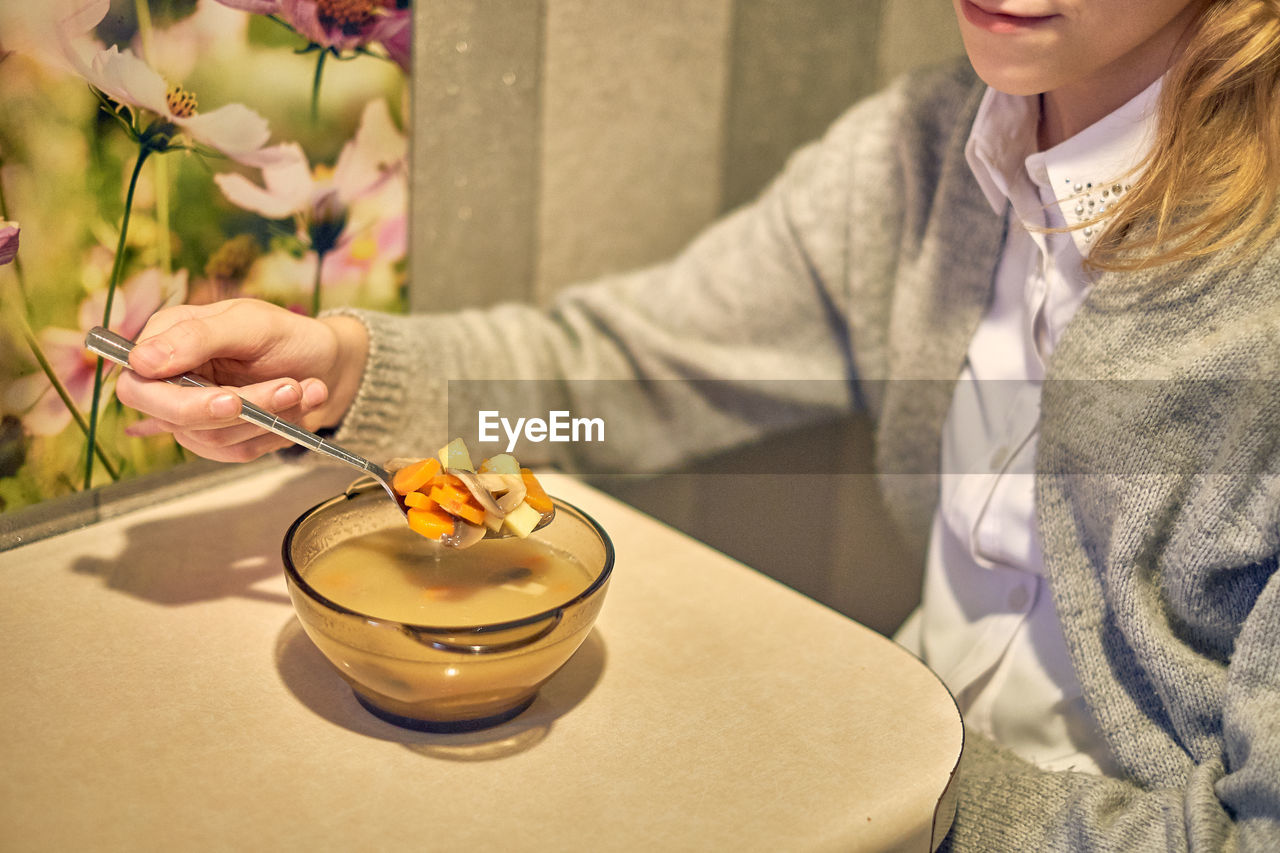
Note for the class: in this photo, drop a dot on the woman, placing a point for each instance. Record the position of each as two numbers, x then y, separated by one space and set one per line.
1087 238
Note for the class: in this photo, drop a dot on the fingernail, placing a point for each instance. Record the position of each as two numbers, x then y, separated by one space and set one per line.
224 406
286 397
152 356
314 393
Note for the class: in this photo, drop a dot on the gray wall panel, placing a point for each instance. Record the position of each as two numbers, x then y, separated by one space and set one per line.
633 100
796 65
475 151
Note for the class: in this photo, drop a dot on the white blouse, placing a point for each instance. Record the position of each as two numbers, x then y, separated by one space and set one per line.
986 623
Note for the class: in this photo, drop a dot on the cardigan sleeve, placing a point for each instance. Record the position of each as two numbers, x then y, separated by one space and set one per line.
743 333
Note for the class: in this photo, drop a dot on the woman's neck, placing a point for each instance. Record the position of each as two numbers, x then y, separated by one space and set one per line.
1071 108
1064 113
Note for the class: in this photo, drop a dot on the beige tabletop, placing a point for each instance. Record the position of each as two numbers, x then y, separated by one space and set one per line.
158 694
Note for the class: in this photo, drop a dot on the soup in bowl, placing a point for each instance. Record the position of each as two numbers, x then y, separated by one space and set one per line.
436 638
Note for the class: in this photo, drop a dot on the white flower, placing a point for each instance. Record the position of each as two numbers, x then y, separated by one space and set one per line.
233 129
211 34
48 29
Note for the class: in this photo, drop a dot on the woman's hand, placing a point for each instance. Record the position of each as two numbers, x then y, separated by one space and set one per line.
302 369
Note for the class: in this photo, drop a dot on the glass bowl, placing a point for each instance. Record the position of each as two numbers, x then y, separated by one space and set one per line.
442 678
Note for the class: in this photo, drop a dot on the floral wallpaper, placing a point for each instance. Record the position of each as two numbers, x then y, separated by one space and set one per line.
181 151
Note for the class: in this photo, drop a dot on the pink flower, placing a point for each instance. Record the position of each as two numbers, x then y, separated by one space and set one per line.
8 241
136 301
399 43
339 24
364 255
365 269
321 199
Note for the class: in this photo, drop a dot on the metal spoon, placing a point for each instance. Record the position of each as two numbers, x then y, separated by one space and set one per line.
116 348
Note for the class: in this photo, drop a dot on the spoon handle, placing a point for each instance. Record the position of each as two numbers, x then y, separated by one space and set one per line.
116 348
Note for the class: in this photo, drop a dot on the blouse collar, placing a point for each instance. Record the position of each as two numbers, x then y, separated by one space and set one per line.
1083 175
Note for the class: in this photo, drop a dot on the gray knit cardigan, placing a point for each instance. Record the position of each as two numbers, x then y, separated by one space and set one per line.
859 276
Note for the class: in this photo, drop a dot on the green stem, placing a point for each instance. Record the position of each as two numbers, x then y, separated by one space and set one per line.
19 278
315 286
315 85
116 269
142 11
164 238
65 396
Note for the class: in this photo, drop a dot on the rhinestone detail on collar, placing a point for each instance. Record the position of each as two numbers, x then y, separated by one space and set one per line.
1092 202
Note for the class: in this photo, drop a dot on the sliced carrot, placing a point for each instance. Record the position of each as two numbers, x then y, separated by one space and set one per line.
535 495
464 510
419 500
444 493
442 479
415 475
431 523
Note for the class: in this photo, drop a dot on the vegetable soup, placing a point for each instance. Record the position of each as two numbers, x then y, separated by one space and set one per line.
396 574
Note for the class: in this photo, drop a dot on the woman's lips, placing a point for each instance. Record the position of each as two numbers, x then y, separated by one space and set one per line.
1001 22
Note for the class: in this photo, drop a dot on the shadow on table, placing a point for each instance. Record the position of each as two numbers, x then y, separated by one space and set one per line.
222 552
311 678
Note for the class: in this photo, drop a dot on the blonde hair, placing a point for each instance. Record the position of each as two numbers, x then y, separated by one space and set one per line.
1213 177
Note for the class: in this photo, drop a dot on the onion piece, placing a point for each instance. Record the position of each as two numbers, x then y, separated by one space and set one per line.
481 494
493 482
516 492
